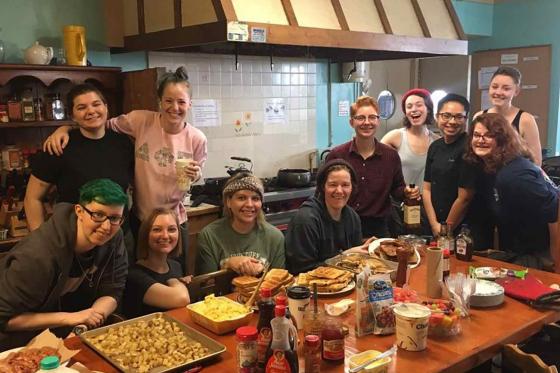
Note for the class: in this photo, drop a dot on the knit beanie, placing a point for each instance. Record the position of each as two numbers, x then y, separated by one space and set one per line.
424 93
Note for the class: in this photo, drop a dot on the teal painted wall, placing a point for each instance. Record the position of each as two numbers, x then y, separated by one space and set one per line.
521 23
476 18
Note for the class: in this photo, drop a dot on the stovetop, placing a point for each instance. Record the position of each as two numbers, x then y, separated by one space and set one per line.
271 185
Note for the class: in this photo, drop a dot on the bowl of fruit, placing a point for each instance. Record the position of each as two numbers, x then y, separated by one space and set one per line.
404 295
445 319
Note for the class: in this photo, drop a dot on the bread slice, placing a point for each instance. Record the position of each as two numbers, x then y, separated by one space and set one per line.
245 281
327 272
277 274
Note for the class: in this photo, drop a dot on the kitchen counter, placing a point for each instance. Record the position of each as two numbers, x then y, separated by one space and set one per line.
203 208
288 193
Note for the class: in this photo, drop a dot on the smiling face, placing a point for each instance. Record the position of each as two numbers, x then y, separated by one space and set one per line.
365 122
502 90
416 110
483 143
175 104
90 112
164 234
97 233
338 189
447 120
244 206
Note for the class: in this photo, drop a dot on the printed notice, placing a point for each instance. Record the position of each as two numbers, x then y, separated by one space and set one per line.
509 59
275 111
529 86
237 31
530 58
343 108
258 34
205 113
485 75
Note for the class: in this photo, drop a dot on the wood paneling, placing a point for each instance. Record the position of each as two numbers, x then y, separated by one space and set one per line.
421 19
141 18
289 10
159 15
177 13
197 12
340 14
383 17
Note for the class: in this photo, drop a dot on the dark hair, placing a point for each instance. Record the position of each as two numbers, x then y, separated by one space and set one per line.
82 89
425 94
512 72
179 76
453 97
103 191
332 166
361 102
509 144
143 247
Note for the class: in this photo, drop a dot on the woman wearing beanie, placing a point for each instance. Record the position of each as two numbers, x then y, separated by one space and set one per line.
325 226
413 140
242 240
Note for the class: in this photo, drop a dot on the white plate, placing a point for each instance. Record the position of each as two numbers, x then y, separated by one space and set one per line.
373 251
487 294
4 354
490 273
347 289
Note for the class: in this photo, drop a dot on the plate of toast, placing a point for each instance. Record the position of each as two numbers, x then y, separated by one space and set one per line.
388 249
329 280
276 279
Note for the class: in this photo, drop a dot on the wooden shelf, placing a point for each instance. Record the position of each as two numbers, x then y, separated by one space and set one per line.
9 242
46 123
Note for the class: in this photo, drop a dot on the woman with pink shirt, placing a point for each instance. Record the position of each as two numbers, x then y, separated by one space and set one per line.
160 138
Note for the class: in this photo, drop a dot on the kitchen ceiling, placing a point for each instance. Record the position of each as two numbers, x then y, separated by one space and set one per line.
341 30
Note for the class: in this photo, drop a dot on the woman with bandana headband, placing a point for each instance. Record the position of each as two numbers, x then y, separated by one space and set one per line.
242 240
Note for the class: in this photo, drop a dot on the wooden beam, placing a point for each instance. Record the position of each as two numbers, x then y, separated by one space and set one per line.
178 11
455 19
383 17
421 19
290 14
340 15
224 10
141 18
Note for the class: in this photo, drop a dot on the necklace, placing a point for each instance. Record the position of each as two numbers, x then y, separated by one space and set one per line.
88 276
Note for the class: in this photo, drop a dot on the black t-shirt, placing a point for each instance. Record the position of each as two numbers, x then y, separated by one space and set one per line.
139 281
447 171
84 160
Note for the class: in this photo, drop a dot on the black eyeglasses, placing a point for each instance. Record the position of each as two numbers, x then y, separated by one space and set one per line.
447 117
485 137
100 217
362 118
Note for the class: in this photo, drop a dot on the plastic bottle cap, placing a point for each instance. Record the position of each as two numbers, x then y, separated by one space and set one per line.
50 362
446 252
280 311
266 293
281 300
246 333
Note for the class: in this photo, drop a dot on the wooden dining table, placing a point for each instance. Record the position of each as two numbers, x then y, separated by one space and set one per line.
483 335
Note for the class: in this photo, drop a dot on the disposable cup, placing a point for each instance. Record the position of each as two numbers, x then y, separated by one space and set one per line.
412 326
298 300
183 181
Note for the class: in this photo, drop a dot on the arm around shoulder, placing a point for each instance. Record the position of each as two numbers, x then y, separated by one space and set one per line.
33 202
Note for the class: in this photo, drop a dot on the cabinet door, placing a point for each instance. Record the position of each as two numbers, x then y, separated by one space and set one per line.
140 89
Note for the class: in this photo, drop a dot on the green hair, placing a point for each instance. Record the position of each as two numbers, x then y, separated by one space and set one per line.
103 191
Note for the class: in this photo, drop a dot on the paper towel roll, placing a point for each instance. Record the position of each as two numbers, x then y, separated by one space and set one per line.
434 276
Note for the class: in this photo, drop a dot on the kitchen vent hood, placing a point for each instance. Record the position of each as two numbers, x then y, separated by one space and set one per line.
342 30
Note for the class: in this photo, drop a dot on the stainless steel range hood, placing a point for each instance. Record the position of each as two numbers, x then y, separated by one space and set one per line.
342 30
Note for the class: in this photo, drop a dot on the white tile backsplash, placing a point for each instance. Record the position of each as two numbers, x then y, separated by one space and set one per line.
270 146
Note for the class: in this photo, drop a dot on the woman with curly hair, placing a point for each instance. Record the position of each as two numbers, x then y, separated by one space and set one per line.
523 202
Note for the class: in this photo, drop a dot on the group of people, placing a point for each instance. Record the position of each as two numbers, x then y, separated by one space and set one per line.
78 266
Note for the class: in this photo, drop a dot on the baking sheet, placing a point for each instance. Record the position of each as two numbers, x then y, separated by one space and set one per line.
214 348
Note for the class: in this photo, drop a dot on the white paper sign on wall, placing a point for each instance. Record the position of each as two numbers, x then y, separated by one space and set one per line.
509 59
343 108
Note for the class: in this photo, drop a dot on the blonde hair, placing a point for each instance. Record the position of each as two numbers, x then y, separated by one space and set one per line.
228 193
143 246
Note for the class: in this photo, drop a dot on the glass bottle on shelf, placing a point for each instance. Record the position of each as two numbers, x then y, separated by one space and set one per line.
14 109
58 108
27 110
38 108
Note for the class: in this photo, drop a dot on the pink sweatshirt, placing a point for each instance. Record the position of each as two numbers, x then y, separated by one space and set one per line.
155 154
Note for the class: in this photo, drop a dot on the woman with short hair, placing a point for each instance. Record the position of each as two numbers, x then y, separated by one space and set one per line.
242 240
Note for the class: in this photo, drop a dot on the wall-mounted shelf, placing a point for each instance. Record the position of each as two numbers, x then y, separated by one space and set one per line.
35 124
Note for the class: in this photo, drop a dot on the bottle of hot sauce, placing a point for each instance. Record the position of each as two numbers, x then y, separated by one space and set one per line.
266 314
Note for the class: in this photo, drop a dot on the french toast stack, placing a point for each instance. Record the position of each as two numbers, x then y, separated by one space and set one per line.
328 279
275 280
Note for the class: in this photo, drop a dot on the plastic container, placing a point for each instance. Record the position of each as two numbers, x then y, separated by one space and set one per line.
246 349
379 366
220 327
51 364
445 319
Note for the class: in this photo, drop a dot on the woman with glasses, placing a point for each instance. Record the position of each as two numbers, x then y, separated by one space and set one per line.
449 182
92 153
325 225
504 86
156 283
412 143
524 203
160 139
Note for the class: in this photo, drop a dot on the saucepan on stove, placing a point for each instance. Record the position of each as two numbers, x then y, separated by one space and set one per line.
294 177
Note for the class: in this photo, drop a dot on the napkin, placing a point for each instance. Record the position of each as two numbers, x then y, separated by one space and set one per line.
531 290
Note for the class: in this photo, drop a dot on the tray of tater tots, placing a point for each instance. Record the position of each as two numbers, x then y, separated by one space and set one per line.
153 343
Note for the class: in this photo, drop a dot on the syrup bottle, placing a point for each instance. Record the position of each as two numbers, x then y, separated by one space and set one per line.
464 244
266 314
280 357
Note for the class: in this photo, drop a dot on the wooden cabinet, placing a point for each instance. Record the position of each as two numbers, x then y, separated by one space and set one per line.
199 217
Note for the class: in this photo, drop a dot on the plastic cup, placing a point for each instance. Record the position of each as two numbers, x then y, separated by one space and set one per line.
412 326
183 181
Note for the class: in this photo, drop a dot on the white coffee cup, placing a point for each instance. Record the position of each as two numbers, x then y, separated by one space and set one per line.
183 181
412 326
298 300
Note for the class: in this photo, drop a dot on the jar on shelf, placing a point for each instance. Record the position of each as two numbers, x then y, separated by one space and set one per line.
38 109
27 110
58 108
14 109
4 118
